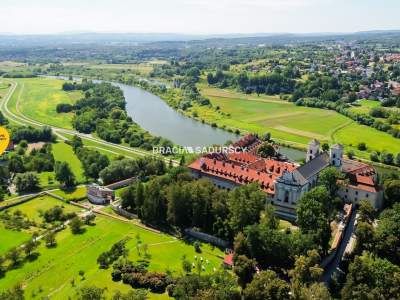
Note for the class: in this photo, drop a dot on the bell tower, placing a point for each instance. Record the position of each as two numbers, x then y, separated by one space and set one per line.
336 155
312 150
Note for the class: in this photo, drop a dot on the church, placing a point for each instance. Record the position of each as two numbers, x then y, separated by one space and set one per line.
285 182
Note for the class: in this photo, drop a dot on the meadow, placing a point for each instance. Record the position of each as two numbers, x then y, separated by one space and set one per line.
290 123
4 86
63 152
37 98
11 238
74 253
34 207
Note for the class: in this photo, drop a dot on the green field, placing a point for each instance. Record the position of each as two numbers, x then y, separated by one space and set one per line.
290 123
11 238
55 268
4 86
33 207
365 106
63 152
72 194
37 98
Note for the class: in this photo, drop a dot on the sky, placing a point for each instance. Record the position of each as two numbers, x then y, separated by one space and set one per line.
197 16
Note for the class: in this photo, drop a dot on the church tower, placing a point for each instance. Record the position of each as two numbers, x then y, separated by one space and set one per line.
336 155
313 150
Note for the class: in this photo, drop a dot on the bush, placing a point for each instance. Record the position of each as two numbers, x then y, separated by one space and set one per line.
26 182
197 247
362 146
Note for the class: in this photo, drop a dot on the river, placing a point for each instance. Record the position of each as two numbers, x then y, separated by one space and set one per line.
154 115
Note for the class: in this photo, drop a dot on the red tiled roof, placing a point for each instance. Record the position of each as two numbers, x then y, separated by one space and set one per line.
367 180
262 171
228 260
363 187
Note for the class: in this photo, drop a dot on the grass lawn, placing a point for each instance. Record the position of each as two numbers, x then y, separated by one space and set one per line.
72 194
4 86
11 238
73 253
284 120
37 99
33 207
365 106
63 152
291 123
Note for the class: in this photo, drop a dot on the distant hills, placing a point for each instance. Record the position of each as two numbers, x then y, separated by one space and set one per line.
12 40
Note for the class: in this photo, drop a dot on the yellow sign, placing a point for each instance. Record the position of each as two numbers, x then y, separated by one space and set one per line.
4 139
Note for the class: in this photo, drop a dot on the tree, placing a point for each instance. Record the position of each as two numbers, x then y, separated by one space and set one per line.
329 179
186 265
76 143
387 234
16 164
245 205
91 293
266 150
30 246
16 293
371 277
14 255
64 174
137 294
266 285
366 212
316 291
26 182
365 237
305 272
88 219
269 218
76 225
387 158
306 268
244 268
50 239
312 215
325 147
392 192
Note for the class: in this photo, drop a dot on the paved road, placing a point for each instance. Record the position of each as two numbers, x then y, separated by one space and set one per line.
24 120
333 267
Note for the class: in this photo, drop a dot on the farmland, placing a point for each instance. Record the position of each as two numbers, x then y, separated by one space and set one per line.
74 253
288 122
37 98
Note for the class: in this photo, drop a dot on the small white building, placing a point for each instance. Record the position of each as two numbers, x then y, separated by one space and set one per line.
99 194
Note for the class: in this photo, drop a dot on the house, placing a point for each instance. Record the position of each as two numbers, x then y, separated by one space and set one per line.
284 182
228 260
99 194
394 87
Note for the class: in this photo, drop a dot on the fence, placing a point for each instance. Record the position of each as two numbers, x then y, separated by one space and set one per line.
23 200
119 210
207 238
121 183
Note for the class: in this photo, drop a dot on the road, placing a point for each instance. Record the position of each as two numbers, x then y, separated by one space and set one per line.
333 267
24 120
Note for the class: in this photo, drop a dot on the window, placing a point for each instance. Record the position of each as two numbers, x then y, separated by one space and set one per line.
286 196
366 195
347 190
356 192
310 151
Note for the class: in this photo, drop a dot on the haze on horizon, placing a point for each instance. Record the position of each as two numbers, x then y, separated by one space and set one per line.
198 16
